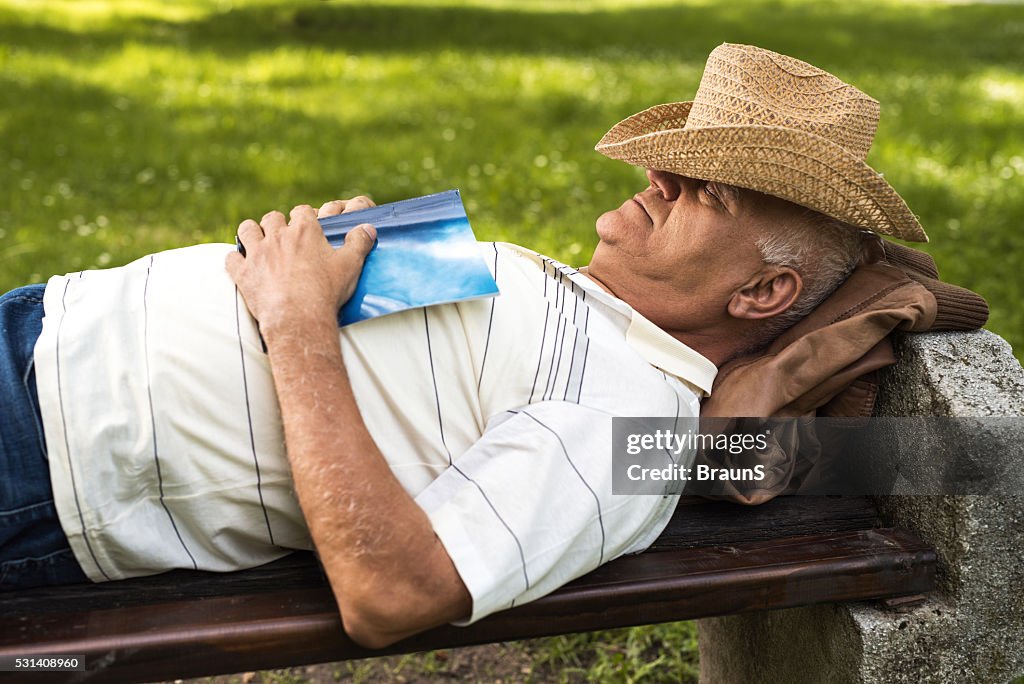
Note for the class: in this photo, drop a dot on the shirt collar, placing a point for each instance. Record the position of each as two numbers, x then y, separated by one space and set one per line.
669 354
656 346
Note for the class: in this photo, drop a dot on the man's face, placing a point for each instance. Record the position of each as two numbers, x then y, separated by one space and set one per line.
680 249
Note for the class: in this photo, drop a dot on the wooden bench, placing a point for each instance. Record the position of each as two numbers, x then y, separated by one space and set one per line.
713 559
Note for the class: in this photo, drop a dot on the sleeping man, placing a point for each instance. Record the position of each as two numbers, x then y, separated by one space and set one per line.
444 462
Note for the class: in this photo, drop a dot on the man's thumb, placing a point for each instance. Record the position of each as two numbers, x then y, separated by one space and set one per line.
361 238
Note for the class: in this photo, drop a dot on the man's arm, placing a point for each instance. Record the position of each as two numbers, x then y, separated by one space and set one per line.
388 571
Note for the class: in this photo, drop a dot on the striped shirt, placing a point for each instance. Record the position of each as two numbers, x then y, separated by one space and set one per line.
166 447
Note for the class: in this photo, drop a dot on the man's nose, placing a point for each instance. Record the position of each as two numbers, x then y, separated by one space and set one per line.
667 184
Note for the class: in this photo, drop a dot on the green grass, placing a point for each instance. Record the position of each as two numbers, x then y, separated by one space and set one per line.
655 653
659 654
135 126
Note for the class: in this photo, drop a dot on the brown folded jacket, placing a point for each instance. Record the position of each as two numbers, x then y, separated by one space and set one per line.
826 365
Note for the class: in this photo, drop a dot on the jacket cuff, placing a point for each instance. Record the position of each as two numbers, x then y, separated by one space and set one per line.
957 308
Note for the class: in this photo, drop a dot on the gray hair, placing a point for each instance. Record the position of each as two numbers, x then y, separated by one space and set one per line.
823 250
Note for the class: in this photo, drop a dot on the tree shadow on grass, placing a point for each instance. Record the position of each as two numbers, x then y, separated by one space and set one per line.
947 38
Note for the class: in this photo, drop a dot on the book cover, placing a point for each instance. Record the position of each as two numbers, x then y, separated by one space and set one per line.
425 254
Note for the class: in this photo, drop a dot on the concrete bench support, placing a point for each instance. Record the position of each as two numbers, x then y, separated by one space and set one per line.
972 628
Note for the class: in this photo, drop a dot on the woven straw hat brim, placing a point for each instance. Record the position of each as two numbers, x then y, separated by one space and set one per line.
794 165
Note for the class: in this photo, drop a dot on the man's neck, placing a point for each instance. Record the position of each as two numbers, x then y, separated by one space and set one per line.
585 270
717 346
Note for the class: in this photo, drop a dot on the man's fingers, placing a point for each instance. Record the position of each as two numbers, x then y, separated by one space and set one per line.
332 208
249 233
303 212
335 207
272 222
233 264
249 230
357 203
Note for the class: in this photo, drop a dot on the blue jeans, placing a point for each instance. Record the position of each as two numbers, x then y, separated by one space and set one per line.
33 548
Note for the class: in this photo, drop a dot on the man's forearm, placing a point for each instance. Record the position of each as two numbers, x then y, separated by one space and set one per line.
388 570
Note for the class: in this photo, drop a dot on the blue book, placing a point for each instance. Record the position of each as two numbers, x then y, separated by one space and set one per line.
425 254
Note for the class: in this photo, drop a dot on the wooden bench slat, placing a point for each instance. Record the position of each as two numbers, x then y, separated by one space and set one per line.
258 630
696 523
699 522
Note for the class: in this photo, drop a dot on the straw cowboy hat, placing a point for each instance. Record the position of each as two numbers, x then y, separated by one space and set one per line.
774 124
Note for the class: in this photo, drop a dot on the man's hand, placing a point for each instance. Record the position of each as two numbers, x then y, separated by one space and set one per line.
390 574
290 274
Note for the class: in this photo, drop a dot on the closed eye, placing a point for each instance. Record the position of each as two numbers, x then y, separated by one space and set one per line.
727 197
710 191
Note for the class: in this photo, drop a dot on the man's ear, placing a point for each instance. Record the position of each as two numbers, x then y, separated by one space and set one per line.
767 294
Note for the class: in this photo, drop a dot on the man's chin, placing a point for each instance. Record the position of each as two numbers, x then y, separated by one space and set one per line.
621 226
606 225
600 252
613 247
604 261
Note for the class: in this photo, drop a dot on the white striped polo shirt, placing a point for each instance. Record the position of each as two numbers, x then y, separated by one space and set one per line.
166 448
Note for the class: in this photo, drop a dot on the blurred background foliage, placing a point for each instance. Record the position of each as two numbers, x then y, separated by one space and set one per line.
134 126
140 125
